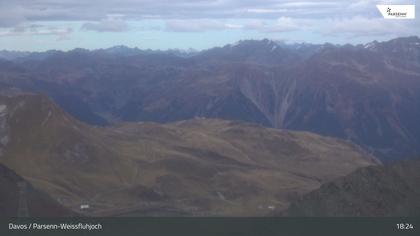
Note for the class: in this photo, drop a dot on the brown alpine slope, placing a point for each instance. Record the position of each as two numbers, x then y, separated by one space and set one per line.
372 191
196 167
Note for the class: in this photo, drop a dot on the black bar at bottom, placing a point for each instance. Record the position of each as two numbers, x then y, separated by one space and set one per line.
341 226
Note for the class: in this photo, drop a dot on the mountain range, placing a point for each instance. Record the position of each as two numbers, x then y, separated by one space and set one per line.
254 128
368 94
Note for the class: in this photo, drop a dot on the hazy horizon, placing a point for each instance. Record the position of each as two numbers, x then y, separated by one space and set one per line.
204 49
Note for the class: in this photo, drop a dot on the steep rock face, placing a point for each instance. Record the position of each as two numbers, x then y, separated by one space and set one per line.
369 95
372 191
262 52
356 94
194 167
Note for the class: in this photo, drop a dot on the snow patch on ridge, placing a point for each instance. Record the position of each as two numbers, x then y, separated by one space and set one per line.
274 48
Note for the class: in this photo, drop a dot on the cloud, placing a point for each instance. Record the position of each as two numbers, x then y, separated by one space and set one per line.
109 25
284 24
62 33
362 26
10 14
96 10
265 10
199 25
268 16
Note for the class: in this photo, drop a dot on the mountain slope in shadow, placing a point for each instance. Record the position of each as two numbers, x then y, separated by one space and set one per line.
18 198
391 190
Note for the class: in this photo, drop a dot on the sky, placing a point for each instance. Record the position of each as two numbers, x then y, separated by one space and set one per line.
40 25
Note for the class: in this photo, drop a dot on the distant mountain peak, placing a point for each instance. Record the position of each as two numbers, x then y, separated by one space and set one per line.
121 50
254 42
408 39
371 45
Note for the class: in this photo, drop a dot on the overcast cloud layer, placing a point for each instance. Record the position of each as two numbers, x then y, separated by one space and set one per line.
67 18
